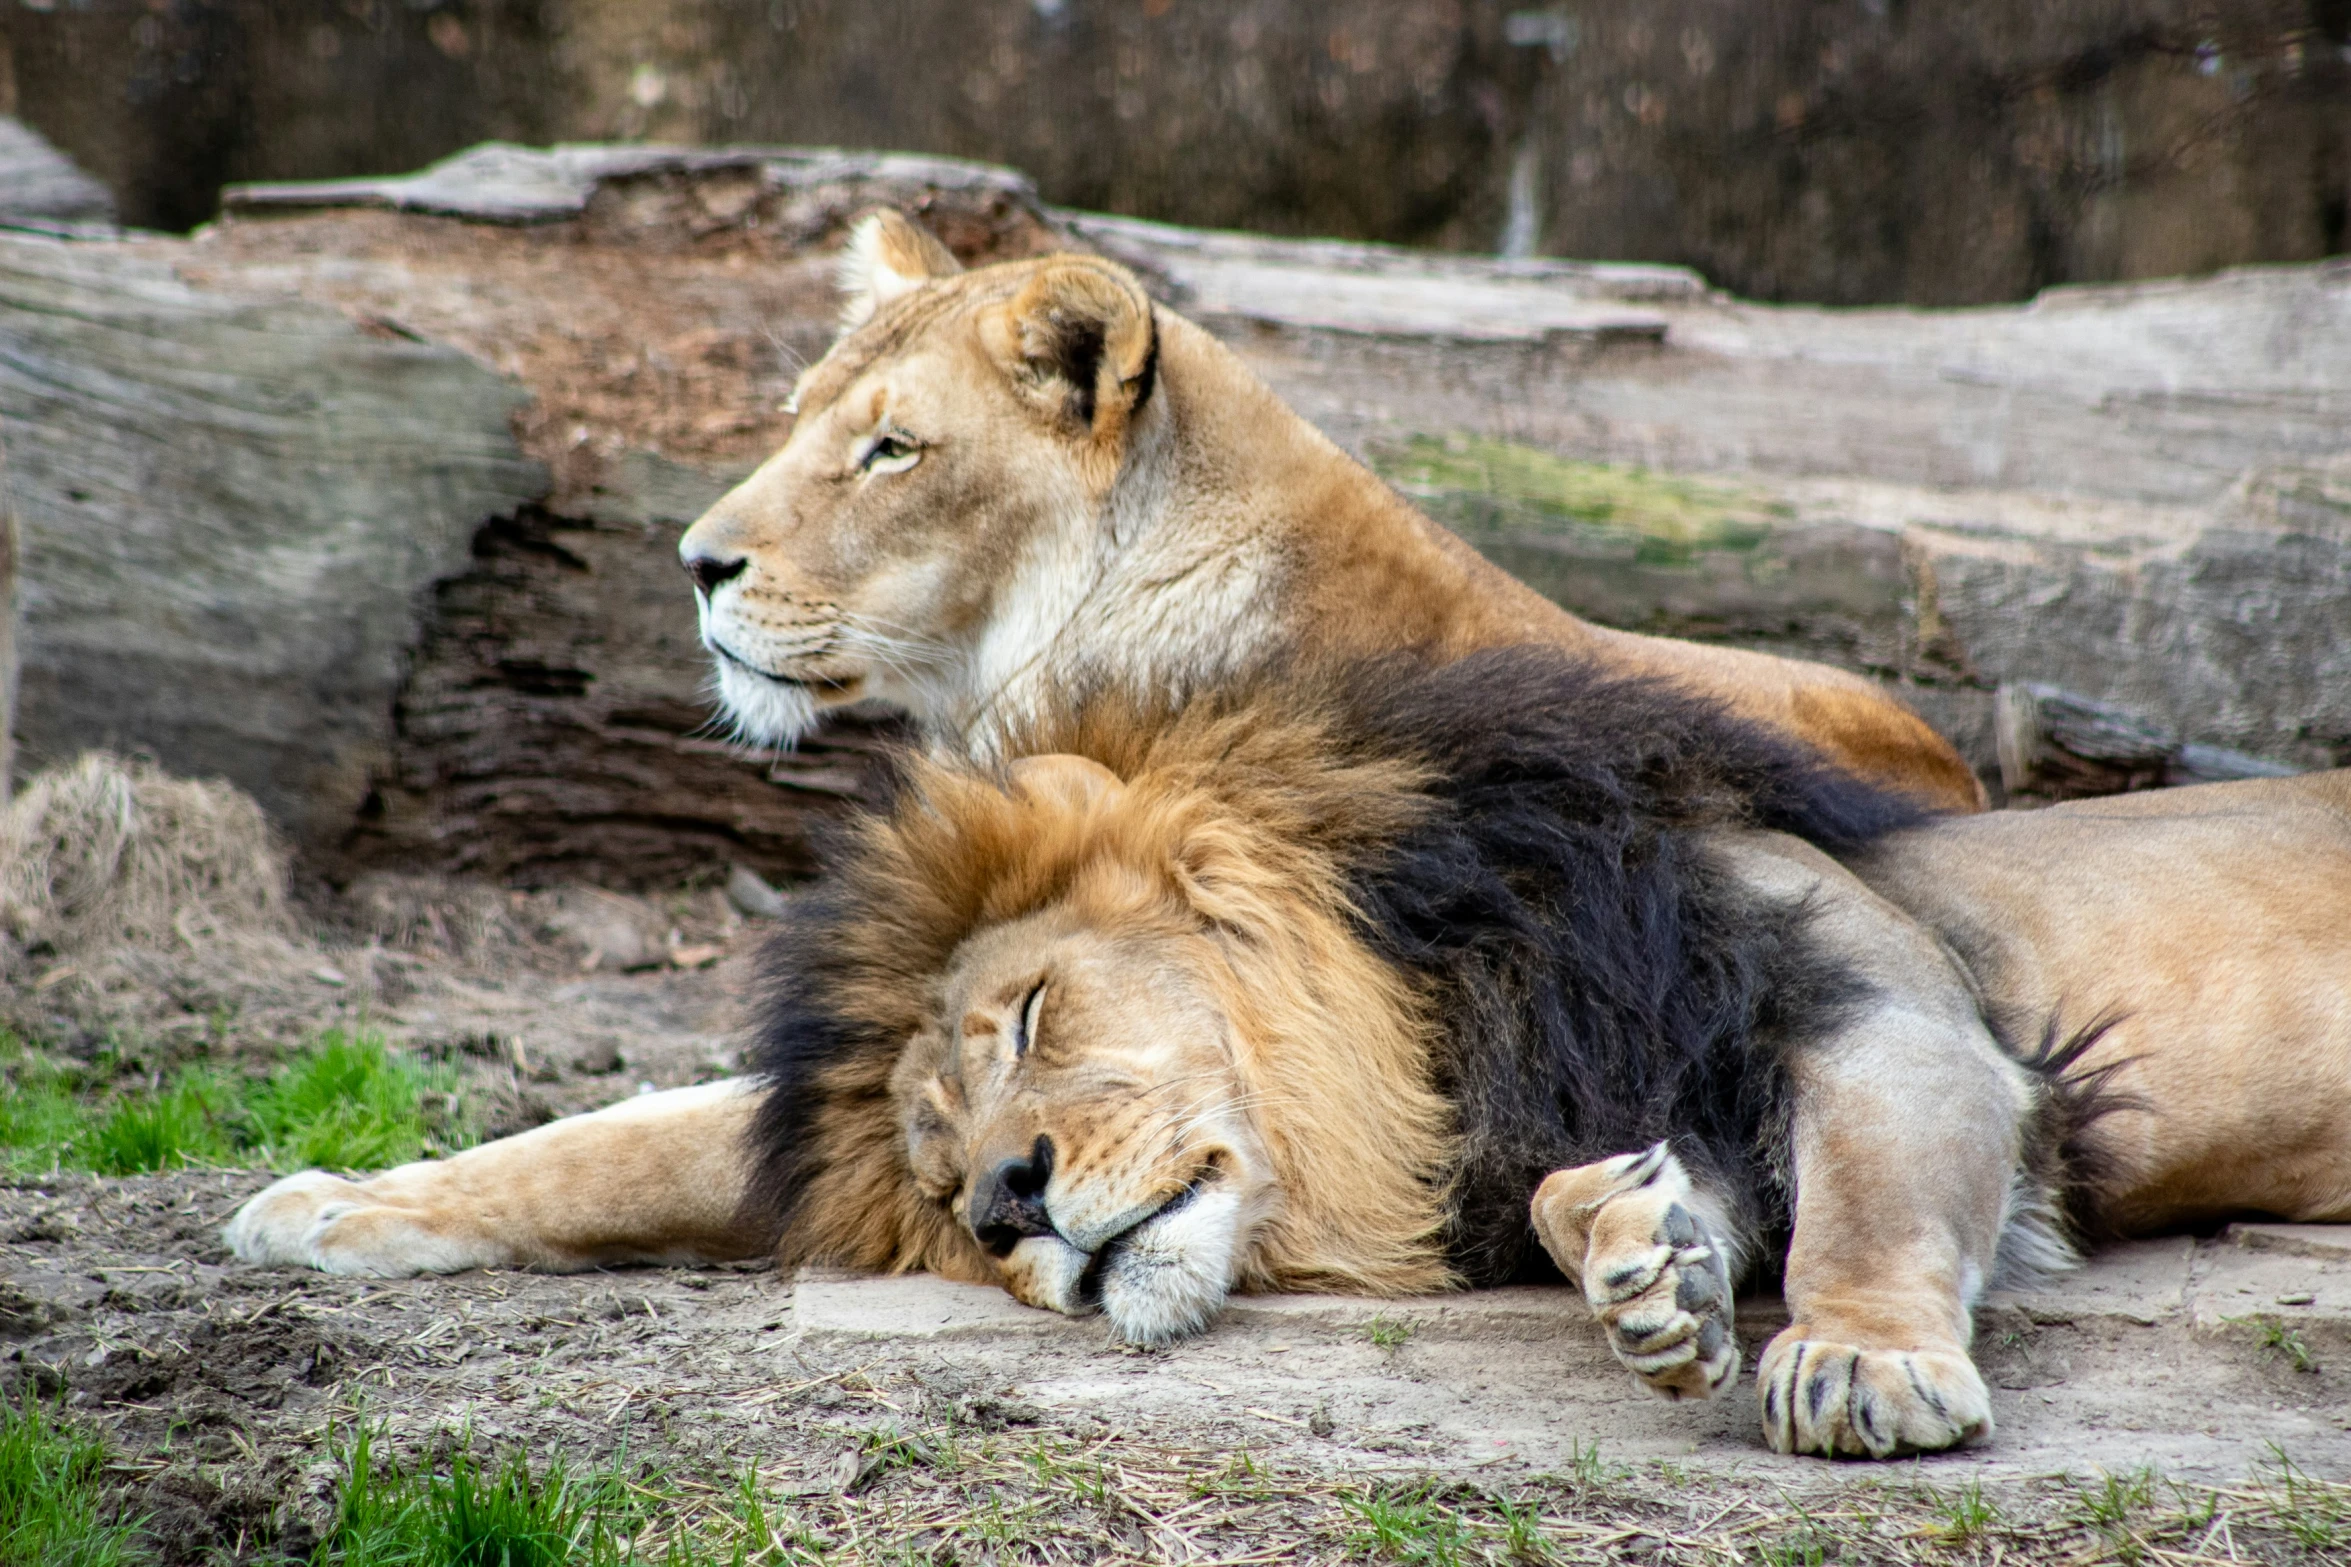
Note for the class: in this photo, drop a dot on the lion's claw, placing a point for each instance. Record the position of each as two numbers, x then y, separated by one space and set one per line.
1836 1400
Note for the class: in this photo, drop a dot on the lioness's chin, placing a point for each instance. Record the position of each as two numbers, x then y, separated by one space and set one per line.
765 712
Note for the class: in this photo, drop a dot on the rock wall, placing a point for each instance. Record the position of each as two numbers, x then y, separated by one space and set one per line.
1850 151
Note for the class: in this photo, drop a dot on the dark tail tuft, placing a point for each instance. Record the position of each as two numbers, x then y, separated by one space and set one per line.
2061 1153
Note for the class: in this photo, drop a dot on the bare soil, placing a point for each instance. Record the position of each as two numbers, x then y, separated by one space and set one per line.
888 1411
887 1415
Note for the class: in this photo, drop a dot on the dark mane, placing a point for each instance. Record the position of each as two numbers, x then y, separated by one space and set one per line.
1600 983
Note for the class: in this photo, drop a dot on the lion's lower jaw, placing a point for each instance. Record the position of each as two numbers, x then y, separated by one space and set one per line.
1161 1281
763 711
1168 1279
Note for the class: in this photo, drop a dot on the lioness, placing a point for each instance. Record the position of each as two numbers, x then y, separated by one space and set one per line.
1005 480
1374 980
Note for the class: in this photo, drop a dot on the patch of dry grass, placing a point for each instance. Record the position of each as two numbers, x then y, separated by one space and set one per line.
941 1494
105 853
128 895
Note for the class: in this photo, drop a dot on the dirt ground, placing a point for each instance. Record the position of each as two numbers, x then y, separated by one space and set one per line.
2191 1368
226 1387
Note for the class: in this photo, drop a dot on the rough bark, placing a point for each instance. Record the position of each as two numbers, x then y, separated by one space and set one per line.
2057 746
39 182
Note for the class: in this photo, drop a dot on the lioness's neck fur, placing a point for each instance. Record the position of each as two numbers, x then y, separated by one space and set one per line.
1115 495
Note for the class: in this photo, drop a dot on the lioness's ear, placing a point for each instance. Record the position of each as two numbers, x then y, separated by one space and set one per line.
888 254
1077 782
1080 343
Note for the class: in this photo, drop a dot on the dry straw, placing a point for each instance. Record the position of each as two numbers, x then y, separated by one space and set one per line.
106 853
122 886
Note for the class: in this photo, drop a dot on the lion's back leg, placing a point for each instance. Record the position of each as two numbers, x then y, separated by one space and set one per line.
1906 1145
657 1178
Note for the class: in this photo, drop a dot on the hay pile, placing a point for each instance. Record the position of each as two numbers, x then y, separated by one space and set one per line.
135 902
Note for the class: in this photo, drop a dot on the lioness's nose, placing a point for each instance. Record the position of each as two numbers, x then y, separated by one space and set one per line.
708 571
1008 1200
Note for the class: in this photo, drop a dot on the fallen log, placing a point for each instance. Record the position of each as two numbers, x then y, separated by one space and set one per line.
2055 745
2134 495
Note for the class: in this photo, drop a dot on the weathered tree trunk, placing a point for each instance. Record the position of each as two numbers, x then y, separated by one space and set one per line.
375 513
2058 746
231 509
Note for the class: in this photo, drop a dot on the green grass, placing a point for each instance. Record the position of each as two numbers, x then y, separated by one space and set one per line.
1669 519
346 1102
476 1515
1414 1527
948 1496
54 1507
2283 1340
472 1512
1390 1333
1966 1513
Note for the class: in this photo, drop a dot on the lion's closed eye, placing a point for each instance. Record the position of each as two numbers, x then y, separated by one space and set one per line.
1024 1032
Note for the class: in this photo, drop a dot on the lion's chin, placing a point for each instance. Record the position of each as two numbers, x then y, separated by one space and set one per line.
1167 1278
1163 1280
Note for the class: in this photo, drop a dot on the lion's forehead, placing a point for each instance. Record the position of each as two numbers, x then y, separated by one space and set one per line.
898 337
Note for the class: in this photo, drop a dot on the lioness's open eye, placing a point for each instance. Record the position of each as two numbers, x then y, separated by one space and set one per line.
890 453
1026 1029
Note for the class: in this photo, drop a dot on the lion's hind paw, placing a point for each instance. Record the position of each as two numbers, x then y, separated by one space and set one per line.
1841 1401
1628 1231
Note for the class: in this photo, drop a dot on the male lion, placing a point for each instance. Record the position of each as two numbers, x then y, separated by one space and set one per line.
1374 979
1007 480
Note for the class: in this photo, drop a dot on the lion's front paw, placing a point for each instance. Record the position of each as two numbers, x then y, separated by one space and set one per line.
1628 1232
317 1220
1838 1400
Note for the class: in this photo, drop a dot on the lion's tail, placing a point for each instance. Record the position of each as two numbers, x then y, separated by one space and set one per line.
2067 1171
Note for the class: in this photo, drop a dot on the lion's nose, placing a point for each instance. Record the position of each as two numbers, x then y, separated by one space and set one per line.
1008 1201
708 571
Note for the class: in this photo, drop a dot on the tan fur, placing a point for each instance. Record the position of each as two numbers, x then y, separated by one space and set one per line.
2212 928
1179 892
1176 887
1168 520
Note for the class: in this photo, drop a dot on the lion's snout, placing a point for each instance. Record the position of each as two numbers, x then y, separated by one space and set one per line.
1006 1204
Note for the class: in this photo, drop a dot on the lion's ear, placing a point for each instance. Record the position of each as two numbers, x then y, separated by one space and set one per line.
888 255
1080 344
1077 782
